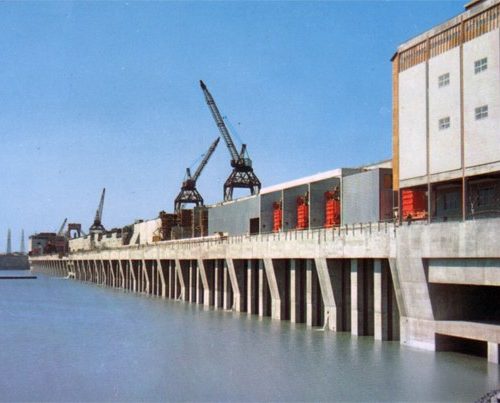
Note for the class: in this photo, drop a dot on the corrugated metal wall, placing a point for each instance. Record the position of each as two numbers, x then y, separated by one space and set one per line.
360 197
233 217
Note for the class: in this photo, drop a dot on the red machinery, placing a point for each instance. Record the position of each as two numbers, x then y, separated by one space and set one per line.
414 204
332 208
277 216
303 212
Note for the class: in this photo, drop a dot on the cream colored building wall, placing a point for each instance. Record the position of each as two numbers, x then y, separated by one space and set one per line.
482 137
146 230
412 122
76 244
444 145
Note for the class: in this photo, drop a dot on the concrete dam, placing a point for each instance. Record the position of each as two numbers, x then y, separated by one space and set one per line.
431 286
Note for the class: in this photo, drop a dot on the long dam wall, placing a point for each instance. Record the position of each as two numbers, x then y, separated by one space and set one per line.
432 286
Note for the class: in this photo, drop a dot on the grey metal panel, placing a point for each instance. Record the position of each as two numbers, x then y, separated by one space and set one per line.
386 195
290 205
317 200
360 197
233 217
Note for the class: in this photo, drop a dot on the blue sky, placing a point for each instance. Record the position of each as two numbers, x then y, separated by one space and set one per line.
106 94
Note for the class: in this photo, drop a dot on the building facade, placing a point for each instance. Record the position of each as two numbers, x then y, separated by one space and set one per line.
446 115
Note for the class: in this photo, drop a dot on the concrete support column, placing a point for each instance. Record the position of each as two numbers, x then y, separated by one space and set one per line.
208 297
252 292
122 274
264 298
147 286
192 282
112 270
199 284
311 294
294 292
325 284
153 276
380 295
104 277
134 277
172 280
218 284
277 305
227 301
237 273
161 272
177 287
361 297
182 280
493 353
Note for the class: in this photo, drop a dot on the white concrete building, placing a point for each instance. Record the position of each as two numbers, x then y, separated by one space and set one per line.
446 137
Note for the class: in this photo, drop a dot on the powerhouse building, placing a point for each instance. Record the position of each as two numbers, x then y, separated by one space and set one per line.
446 118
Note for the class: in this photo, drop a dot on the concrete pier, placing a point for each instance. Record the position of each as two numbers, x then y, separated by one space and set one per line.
390 284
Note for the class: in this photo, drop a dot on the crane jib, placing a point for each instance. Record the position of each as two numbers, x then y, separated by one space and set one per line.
220 123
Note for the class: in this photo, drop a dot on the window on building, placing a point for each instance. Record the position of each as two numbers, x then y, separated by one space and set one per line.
451 201
486 196
480 65
481 112
444 123
444 80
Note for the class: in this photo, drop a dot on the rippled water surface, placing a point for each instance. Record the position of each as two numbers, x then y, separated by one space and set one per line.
64 340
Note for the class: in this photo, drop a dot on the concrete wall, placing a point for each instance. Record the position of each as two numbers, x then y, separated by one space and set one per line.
412 122
233 217
482 137
444 102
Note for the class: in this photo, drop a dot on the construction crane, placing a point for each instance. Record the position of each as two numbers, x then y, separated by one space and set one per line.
242 175
189 193
97 227
61 229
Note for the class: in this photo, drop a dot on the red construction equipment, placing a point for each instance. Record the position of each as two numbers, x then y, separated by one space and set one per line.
332 208
303 212
277 216
414 204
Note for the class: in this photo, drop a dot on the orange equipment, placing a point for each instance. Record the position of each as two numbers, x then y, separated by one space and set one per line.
277 216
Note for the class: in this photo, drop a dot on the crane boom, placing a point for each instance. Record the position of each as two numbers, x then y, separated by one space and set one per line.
61 229
97 227
220 122
98 213
242 176
189 193
203 163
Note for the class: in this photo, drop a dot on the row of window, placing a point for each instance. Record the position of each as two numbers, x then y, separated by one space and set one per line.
480 112
479 66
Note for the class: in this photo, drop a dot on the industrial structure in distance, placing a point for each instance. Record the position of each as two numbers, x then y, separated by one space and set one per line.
406 249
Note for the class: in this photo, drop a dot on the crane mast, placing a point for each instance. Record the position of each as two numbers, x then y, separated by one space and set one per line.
189 194
242 175
61 229
97 227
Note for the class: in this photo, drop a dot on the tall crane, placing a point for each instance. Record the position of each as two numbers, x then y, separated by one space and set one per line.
189 193
242 175
97 227
61 229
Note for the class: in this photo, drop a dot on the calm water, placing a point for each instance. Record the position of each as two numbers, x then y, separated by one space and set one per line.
64 340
